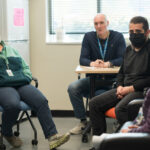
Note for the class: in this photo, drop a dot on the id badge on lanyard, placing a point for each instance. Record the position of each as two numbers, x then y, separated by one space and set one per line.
9 72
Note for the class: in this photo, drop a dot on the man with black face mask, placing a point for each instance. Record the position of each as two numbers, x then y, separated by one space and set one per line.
133 77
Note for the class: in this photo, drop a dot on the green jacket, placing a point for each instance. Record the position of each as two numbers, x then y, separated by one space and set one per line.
11 61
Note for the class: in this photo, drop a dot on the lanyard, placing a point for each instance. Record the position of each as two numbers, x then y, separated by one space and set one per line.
100 48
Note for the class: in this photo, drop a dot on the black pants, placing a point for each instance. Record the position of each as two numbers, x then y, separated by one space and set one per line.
98 105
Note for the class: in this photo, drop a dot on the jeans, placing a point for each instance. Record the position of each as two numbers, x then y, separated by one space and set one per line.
101 103
9 100
81 88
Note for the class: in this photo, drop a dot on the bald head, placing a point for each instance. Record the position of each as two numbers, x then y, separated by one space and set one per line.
100 16
101 23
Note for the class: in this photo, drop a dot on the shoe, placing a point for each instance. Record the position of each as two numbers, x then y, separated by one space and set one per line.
14 141
57 140
79 128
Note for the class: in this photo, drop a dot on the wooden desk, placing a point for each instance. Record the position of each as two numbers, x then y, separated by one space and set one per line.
96 70
92 71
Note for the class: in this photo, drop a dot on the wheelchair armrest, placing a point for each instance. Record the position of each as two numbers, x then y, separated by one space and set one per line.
137 102
133 108
125 141
35 81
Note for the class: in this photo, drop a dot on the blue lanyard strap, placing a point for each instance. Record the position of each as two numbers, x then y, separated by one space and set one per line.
100 48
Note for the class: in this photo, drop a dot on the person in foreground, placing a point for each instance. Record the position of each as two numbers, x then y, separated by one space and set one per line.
141 124
103 48
133 77
15 78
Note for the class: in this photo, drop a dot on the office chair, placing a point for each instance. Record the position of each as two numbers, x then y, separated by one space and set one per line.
24 108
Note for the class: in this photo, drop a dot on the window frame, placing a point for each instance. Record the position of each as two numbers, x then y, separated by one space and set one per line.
51 35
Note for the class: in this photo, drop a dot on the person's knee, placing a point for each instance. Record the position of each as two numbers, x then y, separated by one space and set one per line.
72 88
97 102
12 106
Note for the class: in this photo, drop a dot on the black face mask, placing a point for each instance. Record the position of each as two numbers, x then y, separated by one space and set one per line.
137 39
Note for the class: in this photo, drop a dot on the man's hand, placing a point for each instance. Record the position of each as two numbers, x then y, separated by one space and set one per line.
119 91
100 63
97 63
106 64
122 91
126 90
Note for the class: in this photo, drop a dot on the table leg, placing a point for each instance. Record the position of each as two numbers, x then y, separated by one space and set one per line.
92 94
92 86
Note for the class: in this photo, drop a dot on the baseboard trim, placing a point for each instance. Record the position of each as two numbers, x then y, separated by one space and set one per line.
63 113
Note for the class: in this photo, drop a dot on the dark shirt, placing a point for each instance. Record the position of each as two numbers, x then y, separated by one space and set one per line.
135 69
90 49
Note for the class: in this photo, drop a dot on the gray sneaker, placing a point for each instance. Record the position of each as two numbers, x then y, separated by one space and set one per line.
14 141
78 129
58 140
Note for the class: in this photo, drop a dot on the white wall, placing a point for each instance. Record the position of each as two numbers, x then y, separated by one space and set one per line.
53 65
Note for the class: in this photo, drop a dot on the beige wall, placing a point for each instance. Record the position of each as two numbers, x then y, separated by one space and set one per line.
53 65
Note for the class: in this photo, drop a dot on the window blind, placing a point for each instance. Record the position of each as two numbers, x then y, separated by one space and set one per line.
76 16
